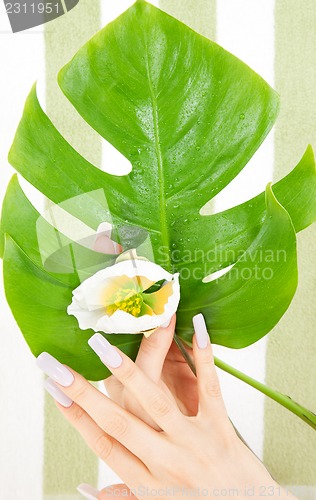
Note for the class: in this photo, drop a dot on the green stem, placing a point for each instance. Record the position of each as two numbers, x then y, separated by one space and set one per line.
300 411
185 353
288 403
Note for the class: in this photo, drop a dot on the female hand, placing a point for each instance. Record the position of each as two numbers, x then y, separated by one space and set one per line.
200 453
161 360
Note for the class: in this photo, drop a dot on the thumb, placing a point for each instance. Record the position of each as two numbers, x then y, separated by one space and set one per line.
153 351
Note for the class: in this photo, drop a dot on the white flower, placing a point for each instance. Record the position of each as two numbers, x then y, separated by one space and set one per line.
132 296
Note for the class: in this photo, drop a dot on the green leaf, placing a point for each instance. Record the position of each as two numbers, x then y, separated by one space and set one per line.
38 303
47 247
221 113
47 161
224 236
244 304
189 116
123 83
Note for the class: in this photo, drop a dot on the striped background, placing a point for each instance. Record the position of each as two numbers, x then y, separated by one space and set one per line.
41 457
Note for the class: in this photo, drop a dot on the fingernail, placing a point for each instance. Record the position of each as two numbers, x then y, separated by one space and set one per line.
201 333
103 227
54 369
88 491
56 393
105 351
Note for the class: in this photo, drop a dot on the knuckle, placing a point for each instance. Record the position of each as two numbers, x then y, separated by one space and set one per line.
151 344
160 405
113 387
76 415
103 447
79 391
213 389
207 360
129 373
110 382
117 426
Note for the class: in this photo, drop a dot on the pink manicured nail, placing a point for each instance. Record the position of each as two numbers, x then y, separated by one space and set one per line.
201 334
103 242
88 491
54 369
106 352
56 393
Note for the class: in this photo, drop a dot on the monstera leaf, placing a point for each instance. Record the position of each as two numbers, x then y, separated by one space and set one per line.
188 116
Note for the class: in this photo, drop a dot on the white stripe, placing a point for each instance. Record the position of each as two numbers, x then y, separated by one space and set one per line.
21 383
246 28
302 492
111 9
106 477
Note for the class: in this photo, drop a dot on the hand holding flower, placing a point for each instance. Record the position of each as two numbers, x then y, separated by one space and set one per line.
185 453
160 359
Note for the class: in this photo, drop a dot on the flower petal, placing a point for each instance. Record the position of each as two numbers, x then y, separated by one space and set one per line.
117 284
86 319
122 322
90 294
157 300
147 310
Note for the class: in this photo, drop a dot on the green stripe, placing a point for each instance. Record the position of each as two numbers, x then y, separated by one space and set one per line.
289 444
200 15
67 460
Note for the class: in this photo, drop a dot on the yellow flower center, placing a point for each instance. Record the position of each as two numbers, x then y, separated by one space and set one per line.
126 300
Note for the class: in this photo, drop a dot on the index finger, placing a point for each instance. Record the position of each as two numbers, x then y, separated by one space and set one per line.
158 405
134 434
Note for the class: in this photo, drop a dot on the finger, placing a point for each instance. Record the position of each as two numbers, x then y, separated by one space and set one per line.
110 451
209 391
159 406
153 350
103 242
88 491
113 388
122 461
150 358
110 417
116 490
